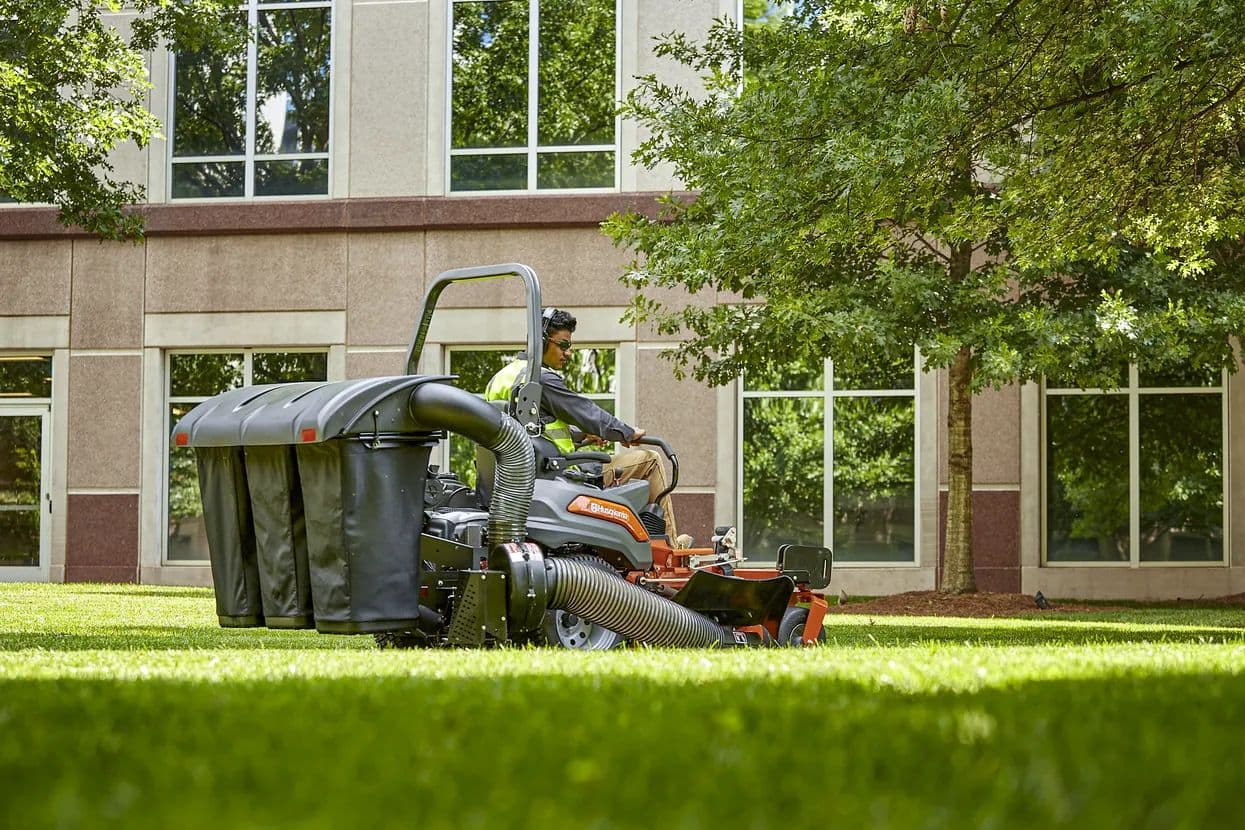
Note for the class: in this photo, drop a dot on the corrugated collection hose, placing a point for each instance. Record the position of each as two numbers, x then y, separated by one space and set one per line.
608 601
512 488
446 407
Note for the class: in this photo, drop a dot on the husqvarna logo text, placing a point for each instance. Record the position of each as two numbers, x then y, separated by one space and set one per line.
618 514
599 509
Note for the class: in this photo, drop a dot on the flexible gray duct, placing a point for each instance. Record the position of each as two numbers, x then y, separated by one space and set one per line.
637 614
441 406
513 483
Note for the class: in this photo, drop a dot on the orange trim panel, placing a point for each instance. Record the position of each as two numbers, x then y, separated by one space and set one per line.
610 511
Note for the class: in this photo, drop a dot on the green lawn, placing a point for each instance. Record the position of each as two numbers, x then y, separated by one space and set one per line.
126 706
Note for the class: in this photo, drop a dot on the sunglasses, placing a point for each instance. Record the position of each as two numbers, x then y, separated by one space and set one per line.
564 345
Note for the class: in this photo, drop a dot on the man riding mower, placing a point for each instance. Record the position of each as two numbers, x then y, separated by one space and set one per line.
321 511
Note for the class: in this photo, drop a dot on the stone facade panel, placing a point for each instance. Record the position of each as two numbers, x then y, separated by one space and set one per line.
384 288
107 305
388 99
684 412
279 272
576 266
101 538
34 276
105 412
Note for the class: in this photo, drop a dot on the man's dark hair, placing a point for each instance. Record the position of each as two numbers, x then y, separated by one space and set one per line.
557 320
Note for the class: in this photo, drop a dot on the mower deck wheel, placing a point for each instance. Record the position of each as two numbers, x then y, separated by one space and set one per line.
569 631
791 629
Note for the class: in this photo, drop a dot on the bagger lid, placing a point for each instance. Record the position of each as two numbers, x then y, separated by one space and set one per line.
302 413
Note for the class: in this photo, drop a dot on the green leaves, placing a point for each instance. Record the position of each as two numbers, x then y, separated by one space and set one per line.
72 90
1056 145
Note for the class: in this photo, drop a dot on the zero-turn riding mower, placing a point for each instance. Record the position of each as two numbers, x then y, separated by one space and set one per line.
322 511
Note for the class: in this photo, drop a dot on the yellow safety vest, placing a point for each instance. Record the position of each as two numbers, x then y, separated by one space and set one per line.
501 388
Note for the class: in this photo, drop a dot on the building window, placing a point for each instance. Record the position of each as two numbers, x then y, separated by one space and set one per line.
533 88
588 370
1135 475
193 378
25 400
855 493
252 118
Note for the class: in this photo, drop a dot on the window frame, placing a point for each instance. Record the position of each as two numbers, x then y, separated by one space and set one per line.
828 394
1134 392
248 354
252 8
532 148
35 406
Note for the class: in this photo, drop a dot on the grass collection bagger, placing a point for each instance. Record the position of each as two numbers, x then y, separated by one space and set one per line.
322 511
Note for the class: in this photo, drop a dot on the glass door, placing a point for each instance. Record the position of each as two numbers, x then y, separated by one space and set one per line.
24 497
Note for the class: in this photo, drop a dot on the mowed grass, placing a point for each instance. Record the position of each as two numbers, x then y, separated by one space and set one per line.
126 706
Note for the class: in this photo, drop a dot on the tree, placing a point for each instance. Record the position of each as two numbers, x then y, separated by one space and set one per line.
1015 187
72 90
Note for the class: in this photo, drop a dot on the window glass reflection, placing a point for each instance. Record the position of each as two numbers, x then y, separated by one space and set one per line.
302 177
576 74
794 376
500 172
20 468
489 94
25 377
1178 376
289 367
783 474
204 375
187 538
1087 478
292 87
874 479
283 102
21 471
572 170
208 179
575 90
1181 478
209 117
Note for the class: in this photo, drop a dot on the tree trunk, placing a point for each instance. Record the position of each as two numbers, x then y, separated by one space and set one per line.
957 563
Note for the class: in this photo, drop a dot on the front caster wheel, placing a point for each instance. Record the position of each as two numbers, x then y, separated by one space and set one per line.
791 629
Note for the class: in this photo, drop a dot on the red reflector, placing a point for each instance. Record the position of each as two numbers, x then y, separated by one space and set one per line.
308 434
182 439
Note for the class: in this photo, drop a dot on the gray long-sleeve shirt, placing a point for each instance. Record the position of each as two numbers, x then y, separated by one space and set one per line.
558 401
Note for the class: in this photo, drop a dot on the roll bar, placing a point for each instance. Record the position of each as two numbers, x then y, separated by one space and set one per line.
528 403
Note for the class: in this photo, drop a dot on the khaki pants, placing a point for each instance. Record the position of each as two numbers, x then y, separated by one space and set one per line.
642 463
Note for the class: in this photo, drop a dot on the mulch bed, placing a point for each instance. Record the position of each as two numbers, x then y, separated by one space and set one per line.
984 604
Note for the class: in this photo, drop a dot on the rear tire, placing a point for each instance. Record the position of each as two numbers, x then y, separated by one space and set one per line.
791 629
565 630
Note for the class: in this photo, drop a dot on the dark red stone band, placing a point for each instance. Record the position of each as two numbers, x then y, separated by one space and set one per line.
378 214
